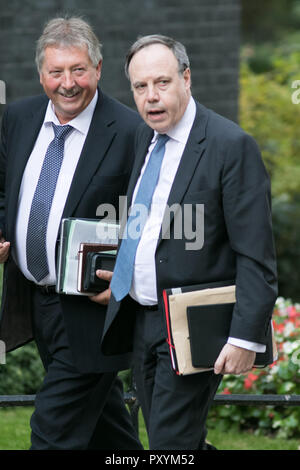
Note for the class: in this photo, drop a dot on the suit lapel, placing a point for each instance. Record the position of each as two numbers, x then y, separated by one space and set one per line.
190 159
28 132
141 152
99 137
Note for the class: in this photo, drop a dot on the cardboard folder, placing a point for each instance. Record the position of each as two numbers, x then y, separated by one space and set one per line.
198 322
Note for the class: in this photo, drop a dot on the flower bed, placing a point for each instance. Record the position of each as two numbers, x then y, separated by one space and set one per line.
280 378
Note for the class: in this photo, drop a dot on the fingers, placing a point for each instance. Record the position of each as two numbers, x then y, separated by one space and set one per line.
4 250
105 275
220 363
104 297
234 360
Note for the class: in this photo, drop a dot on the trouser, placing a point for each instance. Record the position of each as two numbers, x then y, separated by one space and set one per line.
174 407
74 410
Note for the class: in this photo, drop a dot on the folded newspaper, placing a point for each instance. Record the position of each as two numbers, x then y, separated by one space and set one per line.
73 233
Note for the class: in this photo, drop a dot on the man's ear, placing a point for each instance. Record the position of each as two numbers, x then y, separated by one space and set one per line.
99 69
41 78
187 78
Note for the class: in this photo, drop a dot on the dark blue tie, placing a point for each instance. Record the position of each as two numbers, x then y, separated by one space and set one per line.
36 252
123 271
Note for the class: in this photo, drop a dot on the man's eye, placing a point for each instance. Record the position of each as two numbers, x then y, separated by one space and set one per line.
55 72
139 88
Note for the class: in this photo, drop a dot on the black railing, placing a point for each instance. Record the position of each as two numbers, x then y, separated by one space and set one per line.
28 400
223 399
132 402
257 400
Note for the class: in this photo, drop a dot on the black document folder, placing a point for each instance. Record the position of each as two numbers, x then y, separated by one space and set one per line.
94 261
88 262
209 327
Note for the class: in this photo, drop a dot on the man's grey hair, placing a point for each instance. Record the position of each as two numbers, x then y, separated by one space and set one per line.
68 32
176 47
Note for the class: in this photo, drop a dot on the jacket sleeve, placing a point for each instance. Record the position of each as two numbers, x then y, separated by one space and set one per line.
3 152
247 211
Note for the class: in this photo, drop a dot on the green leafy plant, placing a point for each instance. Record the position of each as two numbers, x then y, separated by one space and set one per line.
23 372
269 113
282 377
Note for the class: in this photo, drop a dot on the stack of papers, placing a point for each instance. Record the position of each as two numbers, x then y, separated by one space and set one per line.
74 232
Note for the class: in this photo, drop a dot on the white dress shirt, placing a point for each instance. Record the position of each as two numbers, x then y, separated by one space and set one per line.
143 288
73 147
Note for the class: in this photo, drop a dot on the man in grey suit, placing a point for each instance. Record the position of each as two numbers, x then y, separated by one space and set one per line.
62 154
206 160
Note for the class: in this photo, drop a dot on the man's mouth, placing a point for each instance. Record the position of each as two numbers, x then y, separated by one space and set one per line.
70 94
156 113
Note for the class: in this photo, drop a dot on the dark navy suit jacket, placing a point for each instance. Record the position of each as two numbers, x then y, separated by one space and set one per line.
102 174
222 168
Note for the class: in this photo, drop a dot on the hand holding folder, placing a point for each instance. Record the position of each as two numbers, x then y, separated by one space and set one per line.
80 240
198 321
93 256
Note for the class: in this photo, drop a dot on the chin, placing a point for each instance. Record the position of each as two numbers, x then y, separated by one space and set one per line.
162 131
157 128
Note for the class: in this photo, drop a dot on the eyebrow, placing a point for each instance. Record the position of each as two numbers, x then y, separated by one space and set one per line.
138 82
60 67
158 79
80 64
163 77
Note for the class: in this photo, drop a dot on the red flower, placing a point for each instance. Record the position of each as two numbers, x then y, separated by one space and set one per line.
273 364
292 312
248 383
226 391
252 377
279 327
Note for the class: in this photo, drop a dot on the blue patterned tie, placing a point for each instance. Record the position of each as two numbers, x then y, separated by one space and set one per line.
123 271
36 252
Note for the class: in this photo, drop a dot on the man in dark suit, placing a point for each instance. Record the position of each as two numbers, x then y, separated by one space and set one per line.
62 155
205 160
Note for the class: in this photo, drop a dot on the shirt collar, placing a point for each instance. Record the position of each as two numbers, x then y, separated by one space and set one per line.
80 122
181 131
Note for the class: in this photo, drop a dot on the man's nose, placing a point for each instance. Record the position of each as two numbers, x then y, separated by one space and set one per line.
153 94
68 80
